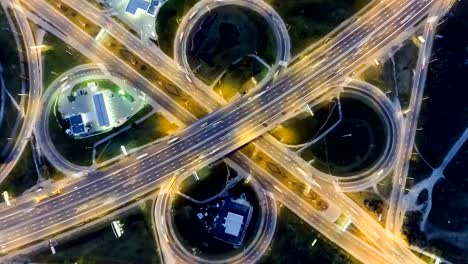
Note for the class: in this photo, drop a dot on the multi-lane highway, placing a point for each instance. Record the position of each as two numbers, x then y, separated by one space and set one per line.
251 101
223 131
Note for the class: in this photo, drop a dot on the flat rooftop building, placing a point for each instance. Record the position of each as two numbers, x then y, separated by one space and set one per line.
134 5
101 110
76 124
232 221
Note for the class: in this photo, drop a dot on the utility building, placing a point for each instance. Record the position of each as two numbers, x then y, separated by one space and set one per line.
232 221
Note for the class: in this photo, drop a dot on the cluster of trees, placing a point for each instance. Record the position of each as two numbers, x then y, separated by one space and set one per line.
374 205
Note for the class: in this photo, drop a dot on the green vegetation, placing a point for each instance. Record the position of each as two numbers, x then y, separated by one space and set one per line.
227 34
211 181
59 58
371 202
154 127
310 20
49 172
375 76
293 244
239 78
167 22
146 210
136 245
22 177
297 130
80 151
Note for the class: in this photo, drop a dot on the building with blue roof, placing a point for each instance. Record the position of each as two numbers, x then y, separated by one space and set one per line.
76 124
147 6
134 5
232 221
101 110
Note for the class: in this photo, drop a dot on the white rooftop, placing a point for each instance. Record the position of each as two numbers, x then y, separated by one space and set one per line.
233 224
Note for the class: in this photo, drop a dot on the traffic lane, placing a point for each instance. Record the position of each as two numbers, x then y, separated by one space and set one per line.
42 229
108 58
315 218
102 183
34 94
159 61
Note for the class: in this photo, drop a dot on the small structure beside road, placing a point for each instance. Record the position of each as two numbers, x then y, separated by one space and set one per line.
117 227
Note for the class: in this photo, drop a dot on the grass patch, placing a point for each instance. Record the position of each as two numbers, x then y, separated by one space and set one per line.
395 75
238 78
49 172
227 34
22 177
297 130
59 58
293 244
355 144
9 57
167 22
136 245
8 124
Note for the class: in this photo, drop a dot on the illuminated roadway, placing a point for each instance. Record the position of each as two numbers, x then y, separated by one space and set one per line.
211 142
35 88
395 214
392 122
144 50
251 254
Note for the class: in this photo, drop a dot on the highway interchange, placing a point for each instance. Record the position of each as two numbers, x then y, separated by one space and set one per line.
316 76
